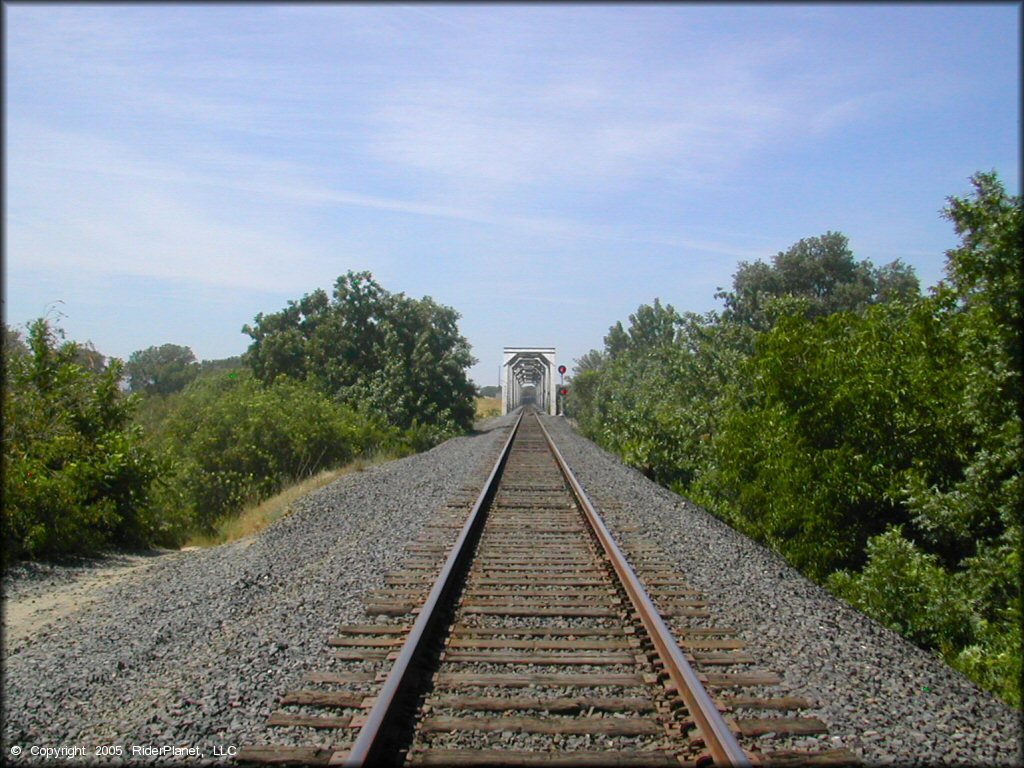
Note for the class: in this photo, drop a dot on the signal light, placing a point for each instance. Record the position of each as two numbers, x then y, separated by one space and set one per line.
564 391
562 369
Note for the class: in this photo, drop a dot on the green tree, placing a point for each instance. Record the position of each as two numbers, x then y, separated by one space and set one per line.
978 512
580 403
850 423
617 341
161 370
422 379
653 326
224 364
903 415
75 475
654 399
985 269
591 361
909 591
821 270
895 281
90 358
369 348
813 453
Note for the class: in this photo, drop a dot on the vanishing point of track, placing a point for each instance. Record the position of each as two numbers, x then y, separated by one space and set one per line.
519 634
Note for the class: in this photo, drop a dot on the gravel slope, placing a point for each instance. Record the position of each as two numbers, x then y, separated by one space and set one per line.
884 698
195 650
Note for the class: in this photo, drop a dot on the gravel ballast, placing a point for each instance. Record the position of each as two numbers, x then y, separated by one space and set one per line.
882 697
194 651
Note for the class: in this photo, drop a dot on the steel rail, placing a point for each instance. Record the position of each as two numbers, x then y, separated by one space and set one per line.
718 738
366 750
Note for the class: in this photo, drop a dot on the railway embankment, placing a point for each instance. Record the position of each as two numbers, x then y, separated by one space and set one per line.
194 650
884 698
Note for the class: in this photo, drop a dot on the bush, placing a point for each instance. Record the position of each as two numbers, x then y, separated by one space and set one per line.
228 440
955 613
908 591
76 477
994 660
851 428
837 416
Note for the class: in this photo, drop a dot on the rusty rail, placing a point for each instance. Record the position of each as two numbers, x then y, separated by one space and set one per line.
372 736
719 739
567 545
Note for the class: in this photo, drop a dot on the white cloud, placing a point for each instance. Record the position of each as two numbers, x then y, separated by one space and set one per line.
149 234
498 128
76 203
81 201
479 136
601 128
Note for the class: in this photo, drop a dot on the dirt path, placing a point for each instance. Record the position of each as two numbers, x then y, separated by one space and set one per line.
26 615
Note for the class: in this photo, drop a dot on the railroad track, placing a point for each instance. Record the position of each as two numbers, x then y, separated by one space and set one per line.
518 633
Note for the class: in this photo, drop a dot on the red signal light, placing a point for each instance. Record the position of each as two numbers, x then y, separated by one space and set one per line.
562 369
564 391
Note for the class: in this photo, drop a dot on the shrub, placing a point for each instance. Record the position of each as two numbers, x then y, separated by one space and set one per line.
908 591
76 477
228 440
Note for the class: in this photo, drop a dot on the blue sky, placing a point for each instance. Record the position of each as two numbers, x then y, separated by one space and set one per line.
172 170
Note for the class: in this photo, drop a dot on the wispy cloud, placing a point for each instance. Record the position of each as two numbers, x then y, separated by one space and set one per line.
499 124
592 130
81 204
617 151
110 208
148 234
583 123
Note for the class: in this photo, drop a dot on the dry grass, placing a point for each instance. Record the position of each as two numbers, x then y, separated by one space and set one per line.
256 517
488 407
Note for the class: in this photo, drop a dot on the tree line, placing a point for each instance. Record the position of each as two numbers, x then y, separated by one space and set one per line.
104 453
867 432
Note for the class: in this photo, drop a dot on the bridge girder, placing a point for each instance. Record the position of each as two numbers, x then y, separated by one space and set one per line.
529 367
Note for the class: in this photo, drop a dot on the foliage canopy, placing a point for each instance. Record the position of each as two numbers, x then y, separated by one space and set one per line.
76 476
402 358
823 272
161 370
88 466
228 440
869 434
